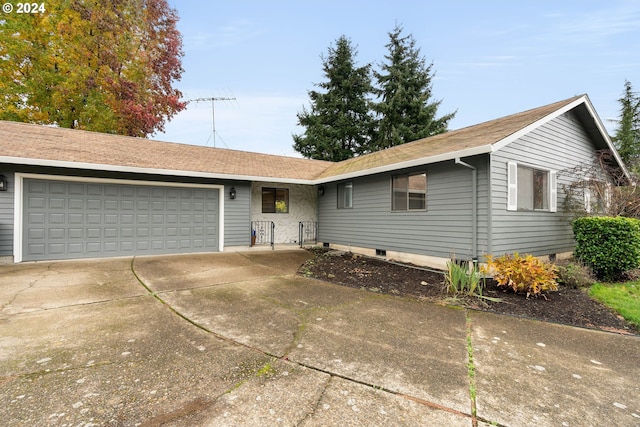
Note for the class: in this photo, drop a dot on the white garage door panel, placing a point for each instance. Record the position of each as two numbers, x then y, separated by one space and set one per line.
80 220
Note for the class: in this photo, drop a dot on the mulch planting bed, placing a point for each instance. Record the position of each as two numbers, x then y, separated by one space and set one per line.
567 306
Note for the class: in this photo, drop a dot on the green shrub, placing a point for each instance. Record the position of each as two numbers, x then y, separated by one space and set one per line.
610 246
574 274
524 274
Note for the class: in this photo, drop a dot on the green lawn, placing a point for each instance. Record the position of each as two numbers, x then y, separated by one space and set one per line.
622 297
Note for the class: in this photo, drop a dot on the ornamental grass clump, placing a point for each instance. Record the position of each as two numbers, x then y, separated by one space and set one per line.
461 280
524 274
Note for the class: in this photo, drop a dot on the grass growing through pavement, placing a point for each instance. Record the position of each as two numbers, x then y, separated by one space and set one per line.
622 297
471 370
267 370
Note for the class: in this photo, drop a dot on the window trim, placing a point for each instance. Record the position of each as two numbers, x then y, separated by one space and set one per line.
512 187
408 192
342 195
275 199
599 201
586 194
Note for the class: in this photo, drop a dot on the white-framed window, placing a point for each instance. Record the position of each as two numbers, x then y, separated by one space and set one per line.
345 195
587 200
608 195
531 188
409 192
597 196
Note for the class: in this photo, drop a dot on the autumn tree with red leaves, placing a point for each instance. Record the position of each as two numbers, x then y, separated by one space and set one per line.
100 65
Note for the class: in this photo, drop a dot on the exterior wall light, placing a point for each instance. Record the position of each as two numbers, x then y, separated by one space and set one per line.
232 193
3 183
321 191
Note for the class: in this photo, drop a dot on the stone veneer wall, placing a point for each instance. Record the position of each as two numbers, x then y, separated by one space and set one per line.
303 206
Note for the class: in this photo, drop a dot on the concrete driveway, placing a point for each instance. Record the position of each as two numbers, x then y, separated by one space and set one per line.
235 339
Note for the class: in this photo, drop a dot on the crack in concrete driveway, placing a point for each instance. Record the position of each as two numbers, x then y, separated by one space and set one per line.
240 339
187 303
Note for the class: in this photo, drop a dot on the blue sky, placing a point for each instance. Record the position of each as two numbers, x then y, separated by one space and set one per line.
491 59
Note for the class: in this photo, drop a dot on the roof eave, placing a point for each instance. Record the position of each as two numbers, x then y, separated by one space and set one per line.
606 138
148 171
483 149
584 99
525 130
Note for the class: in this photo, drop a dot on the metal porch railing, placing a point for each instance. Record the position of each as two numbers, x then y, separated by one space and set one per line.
307 232
262 233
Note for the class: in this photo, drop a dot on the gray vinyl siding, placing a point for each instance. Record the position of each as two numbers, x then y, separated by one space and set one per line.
6 216
484 215
237 222
558 145
442 229
237 215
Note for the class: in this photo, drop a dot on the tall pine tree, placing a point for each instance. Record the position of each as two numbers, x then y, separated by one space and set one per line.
627 137
338 125
405 109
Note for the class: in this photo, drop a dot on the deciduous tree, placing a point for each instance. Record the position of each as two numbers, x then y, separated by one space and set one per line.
102 65
599 187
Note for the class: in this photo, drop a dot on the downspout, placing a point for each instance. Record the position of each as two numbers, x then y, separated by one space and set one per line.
474 208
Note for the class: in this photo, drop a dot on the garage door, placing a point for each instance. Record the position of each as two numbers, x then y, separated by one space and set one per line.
65 220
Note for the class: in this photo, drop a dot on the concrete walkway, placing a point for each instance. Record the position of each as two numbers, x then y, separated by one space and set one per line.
237 339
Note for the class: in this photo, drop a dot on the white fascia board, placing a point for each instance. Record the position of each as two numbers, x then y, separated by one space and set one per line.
514 136
152 171
452 155
484 149
592 112
605 136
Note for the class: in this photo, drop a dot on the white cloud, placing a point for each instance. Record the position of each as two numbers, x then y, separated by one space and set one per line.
596 26
233 33
489 61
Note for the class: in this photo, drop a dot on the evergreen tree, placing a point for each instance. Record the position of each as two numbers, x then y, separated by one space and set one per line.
338 125
405 110
627 138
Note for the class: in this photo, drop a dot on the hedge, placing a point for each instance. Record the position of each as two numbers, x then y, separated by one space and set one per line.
610 246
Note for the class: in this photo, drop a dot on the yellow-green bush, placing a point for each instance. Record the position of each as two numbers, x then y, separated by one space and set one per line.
524 274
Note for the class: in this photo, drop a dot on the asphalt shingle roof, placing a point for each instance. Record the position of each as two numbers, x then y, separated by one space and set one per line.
479 135
50 144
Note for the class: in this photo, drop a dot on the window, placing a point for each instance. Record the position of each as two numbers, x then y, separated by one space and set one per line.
530 189
409 192
587 200
533 189
345 195
597 196
275 200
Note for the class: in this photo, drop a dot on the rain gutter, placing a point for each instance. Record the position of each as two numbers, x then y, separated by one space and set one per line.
474 208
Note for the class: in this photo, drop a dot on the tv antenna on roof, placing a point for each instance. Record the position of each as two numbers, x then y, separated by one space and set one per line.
213 113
